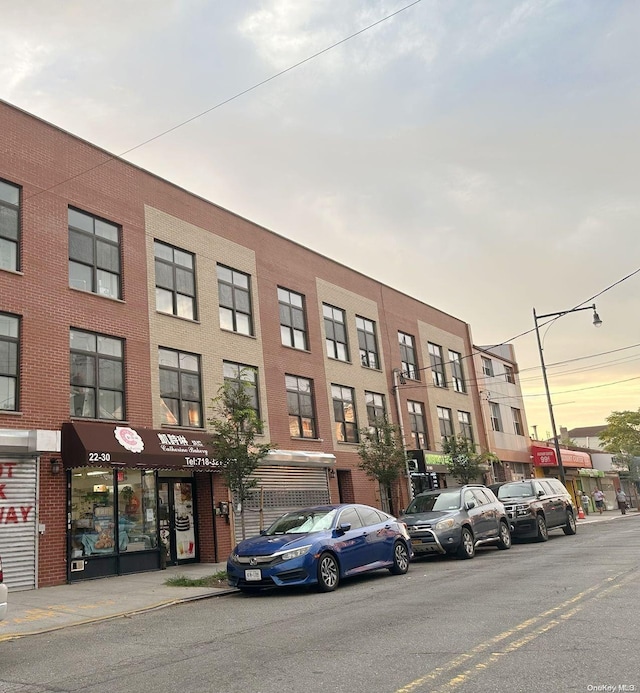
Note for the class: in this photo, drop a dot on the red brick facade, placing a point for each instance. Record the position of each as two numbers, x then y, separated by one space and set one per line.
55 171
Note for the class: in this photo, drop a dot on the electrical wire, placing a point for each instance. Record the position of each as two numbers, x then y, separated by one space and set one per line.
226 101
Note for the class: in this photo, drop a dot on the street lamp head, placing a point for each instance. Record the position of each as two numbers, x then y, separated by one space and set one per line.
596 319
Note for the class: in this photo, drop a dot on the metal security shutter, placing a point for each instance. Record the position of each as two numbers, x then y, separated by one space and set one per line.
18 522
281 489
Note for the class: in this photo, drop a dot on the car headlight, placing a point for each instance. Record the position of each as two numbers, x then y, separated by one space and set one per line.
522 510
295 553
445 524
233 557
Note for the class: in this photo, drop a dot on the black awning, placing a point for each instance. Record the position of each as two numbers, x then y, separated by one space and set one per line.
92 444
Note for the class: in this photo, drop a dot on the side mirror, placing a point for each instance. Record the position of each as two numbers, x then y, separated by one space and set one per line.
263 532
469 504
343 528
540 494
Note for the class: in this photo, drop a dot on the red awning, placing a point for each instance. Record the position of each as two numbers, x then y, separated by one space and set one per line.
546 457
91 444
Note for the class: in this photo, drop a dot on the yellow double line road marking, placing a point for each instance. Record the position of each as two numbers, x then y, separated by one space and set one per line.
541 624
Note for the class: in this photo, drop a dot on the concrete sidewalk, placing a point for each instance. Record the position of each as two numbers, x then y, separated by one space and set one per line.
38 611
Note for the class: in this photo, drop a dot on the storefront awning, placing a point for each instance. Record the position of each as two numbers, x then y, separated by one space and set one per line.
91 444
546 457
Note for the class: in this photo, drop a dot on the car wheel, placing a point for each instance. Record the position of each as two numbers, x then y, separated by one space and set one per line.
328 573
467 548
400 559
543 532
504 542
570 527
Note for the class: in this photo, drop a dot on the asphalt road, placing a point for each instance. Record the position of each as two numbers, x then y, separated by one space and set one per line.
560 616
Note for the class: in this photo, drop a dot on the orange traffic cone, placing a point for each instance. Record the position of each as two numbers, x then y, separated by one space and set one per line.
581 515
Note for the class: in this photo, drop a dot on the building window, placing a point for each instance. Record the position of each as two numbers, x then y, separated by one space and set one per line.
408 356
446 424
344 413
9 225
293 325
487 367
180 389
466 429
94 255
376 410
245 377
367 342
234 296
457 374
437 365
302 419
97 376
175 281
95 528
509 374
517 421
417 425
496 419
9 350
335 333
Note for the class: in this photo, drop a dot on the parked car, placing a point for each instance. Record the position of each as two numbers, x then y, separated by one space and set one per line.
535 506
456 520
320 546
3 594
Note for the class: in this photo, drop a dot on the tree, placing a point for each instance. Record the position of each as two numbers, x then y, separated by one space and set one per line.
464 463
382 455
621 437
234 427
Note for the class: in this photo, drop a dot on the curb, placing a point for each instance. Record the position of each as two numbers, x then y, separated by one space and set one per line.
122 614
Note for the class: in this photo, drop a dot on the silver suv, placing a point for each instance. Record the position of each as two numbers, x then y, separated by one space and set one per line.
456 520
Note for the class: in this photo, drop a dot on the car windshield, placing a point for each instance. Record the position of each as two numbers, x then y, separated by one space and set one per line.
303 522
446 500
518 489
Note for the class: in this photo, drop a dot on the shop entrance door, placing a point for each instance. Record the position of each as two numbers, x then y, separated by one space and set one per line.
176 513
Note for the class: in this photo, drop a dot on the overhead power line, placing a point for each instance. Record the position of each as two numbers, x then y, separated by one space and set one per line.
229 100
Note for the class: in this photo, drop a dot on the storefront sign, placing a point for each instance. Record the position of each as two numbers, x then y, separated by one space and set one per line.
591 472
102 445
546 457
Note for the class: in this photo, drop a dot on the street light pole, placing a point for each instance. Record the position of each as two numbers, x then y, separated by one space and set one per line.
397 379
597 322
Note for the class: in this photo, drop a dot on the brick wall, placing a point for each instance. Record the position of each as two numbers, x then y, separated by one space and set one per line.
56 170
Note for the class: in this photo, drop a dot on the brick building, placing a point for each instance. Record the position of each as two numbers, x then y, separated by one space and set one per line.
125 303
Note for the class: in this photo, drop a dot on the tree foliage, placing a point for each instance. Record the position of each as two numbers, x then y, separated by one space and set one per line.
464 463
621 437
382 455
234 427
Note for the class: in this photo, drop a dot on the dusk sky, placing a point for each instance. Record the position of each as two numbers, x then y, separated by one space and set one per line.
483 157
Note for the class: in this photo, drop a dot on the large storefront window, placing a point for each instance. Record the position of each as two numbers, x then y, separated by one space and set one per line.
137 522
112 511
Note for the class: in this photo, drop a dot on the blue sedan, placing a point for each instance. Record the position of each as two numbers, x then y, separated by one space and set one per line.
320 546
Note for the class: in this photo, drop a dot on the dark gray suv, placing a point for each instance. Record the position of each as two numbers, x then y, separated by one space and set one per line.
456 520
535 506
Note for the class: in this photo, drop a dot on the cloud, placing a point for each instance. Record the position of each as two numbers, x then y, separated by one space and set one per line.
481 156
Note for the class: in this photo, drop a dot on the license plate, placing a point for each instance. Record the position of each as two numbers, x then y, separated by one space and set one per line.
252 575
416 541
